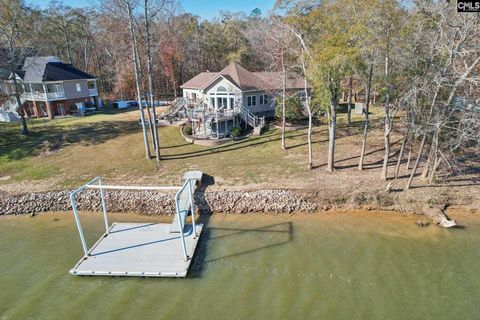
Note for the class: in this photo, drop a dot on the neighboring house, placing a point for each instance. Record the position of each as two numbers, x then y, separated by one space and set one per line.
49 88
233 97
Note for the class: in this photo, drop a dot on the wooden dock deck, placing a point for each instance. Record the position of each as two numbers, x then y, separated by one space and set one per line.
141 250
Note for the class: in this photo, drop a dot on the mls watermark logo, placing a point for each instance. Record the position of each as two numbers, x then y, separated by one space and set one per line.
468 6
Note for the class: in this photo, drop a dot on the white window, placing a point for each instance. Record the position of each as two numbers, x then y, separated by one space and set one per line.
251 101
263 99
79 87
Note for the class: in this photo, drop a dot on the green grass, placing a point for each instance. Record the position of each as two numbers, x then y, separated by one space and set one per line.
111 145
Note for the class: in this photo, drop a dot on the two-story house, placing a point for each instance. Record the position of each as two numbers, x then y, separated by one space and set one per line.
49 88
235 85
233 97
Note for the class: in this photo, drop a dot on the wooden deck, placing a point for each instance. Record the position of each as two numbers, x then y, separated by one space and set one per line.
139 249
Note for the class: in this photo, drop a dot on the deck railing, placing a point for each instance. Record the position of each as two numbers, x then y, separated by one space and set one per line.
55 95
186 187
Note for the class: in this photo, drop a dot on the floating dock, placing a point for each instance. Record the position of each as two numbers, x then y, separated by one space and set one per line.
141 249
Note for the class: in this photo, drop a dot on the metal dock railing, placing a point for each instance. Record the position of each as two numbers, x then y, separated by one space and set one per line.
136 249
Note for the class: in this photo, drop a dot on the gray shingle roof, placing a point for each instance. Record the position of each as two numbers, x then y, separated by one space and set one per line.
39 69
35 67
57 71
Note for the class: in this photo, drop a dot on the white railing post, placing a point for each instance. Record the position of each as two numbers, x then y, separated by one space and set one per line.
192 209
79 225
180 226
104 205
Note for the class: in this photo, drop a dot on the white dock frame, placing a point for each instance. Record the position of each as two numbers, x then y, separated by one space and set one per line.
136 249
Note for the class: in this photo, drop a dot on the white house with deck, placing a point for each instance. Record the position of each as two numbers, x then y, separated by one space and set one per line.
233 97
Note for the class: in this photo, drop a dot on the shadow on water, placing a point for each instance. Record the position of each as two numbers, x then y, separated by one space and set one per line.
287 230
458 227
210 233
205 212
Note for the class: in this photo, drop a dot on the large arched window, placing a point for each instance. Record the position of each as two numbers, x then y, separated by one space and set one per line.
221 89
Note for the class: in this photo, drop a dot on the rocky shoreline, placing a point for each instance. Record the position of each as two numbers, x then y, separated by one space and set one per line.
233 202
154 203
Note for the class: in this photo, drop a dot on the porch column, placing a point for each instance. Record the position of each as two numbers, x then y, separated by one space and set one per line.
36 109
49 109
95 102
24 110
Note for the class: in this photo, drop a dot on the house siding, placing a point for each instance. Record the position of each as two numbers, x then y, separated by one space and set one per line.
259 108
70 88
188 94
231 91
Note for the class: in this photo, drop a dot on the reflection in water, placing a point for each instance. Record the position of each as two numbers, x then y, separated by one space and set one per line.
335 266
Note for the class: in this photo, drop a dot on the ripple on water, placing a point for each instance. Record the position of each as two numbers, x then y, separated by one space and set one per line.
254 266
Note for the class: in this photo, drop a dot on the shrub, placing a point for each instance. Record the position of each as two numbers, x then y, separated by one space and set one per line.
293 109
187 130
236 132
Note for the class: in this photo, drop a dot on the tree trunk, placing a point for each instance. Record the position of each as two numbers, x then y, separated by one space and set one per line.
149 116
67 43
138 80
417 161
386 139
410 147
434 169
85 54
284 86
365 130
153 124
309 110
364 144
349 108
400 154
331 133
426 169
388 121
20 111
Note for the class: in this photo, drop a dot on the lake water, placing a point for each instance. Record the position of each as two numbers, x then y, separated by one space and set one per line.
335 266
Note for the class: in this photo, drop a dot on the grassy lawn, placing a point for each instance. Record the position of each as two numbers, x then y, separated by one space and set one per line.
63 153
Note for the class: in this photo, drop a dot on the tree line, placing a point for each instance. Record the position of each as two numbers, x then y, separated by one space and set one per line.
422 58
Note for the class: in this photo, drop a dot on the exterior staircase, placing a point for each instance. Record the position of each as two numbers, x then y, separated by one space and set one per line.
178 105
9 109
257 123
207 124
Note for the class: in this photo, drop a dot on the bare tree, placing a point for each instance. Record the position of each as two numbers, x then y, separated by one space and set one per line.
367 110
349 106
273 39
124 10
151 10
303 56
13 22
454 55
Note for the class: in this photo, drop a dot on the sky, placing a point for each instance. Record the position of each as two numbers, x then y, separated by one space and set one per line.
205 9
